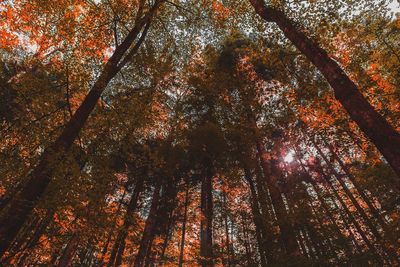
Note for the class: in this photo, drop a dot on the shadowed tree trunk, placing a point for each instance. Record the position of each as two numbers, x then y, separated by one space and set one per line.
360 210
378 130
261 232
366 199
149 229
157 223
227 241
119 245
362 233
182 244
206 242
37 182
105 247
287 235
69 252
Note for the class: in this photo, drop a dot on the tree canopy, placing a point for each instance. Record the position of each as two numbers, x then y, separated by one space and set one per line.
199 133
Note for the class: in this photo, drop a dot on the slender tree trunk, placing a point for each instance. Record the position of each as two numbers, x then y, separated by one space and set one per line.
206 242
69 251
32 242
246 244
105 248
227 241
167 235
21 206
378 130
360 210
366 199
349 214
288 237
328 212
156 224
149 229
182 245
333 220
119 245
261 234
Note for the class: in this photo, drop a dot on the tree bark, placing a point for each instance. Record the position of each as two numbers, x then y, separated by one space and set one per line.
360 210
69 252
375 127
182 245
38 180
206 242
287 235
149 229
119 245
366 199
261 233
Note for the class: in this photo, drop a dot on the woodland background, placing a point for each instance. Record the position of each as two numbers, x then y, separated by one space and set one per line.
199 133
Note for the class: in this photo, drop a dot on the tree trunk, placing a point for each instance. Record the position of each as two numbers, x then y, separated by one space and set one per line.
227 241
69 252
349 214
105 247
149 229
157 223
366 199
167 235
206 251
38 180
261 233
119 245
375 127
360 210
182 245
287 235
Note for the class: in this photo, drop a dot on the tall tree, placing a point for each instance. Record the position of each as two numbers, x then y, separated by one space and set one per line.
381 133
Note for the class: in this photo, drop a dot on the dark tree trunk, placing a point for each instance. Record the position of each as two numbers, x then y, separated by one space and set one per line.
366 199
247 245
261 233
349 214
69 252
378 130
21 206
287 234
119 245
105 248
360 210
206 242
34 239
182 245
149 229
167 235
328 212
227 241
157 222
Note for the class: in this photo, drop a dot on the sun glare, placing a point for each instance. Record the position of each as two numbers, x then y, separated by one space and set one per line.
289 157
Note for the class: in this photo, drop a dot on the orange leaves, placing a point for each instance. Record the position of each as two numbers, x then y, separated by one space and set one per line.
2 191
41 27
7 37
318 117
220 10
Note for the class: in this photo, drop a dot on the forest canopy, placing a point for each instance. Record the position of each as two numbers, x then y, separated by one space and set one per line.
199 133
